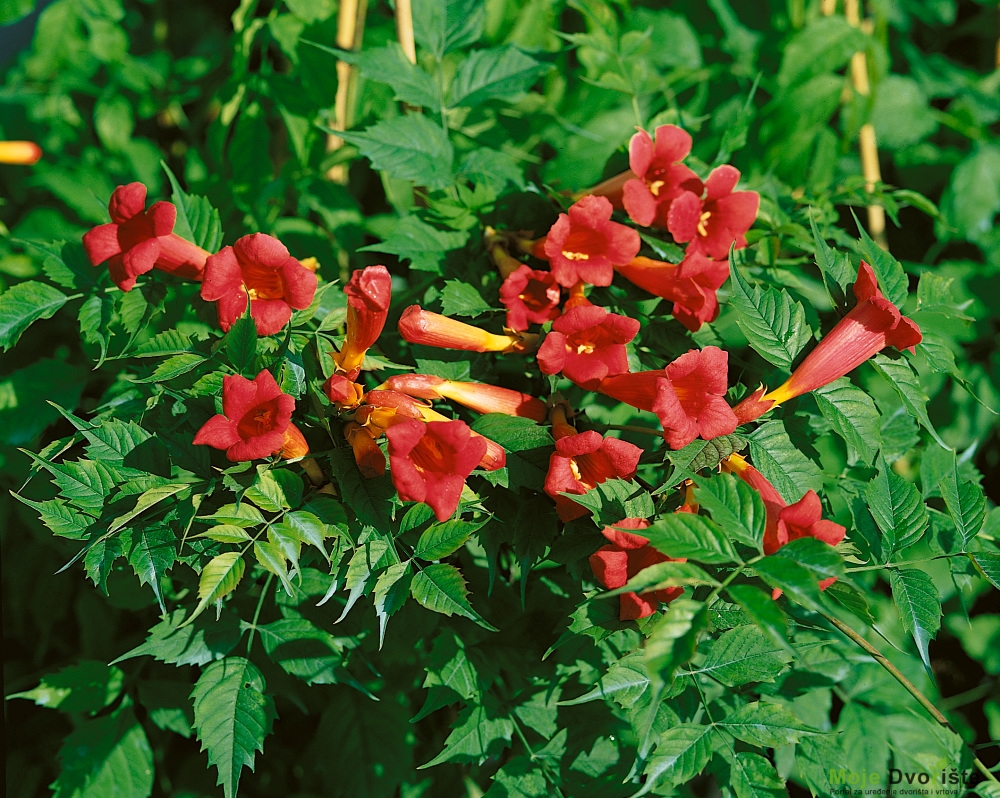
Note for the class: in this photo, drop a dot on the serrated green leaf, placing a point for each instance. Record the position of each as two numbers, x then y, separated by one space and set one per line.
232 716
95 317
897 509
686 535
218 579
753 776
734 506
764 724
462 299
172 367
792 578
392 588
170 342
440 540
965 501
423 245
504 73
109 755
153 553
900 375
852 414
744 654
699 455
441 26
197 221
663 575
368 498
148 499
773 322
787 468
888 270
625 681
919 606
409 147
65 262
672 641
201 642
23 304
441 588
272 558
763 611
275 490
988 563
240 343
242 515
368 559
681 753
835 266
86 686
388 64
303 650
473 736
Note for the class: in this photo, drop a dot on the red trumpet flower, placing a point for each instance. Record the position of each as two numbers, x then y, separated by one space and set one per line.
691 284
431 461
872 325
138 240
255 421
587 344
786 522
530 296
659 175
369 292
720 219
257 269
687 396
474 395
420 326
581 462
584 244
625 558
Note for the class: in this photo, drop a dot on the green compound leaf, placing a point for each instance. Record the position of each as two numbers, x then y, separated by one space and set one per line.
410 147
988 564
153 553
753 776
625 681
392 588
219 578
681 754
782 463
919 606
418 242
24 304
764 724
474 736
853 416
692 536
441 588
504 73
232 716
303 650
203 641
897 509
773 322
389 64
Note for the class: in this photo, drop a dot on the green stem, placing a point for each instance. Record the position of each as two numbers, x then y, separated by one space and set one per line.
256 612
531 754
923 700
897 564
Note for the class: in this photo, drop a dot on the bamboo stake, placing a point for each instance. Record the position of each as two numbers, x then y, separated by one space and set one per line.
350 31
866 136
404 29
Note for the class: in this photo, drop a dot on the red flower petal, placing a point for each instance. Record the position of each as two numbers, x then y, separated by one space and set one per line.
222 276
101 243
218 432
127 201
270 315
161 217
684 216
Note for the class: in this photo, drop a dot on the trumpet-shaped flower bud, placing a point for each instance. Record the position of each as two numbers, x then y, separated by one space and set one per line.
420 326
473 395
294 444
659 175
691 284
343 393
583 461
872 325
625 558
138 240
530 296
719 220
787 522
587 344
255 417
369 292
367 454
687 396
25 153
257 269
584 244
431 461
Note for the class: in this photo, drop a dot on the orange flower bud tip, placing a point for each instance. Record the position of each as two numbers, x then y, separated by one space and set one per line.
24 153
312 264
294 445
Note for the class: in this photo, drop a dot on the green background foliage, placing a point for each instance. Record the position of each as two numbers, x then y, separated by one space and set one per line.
365 650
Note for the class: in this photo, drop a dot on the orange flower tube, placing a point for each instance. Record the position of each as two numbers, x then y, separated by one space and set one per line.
420 326
25 153
476 396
